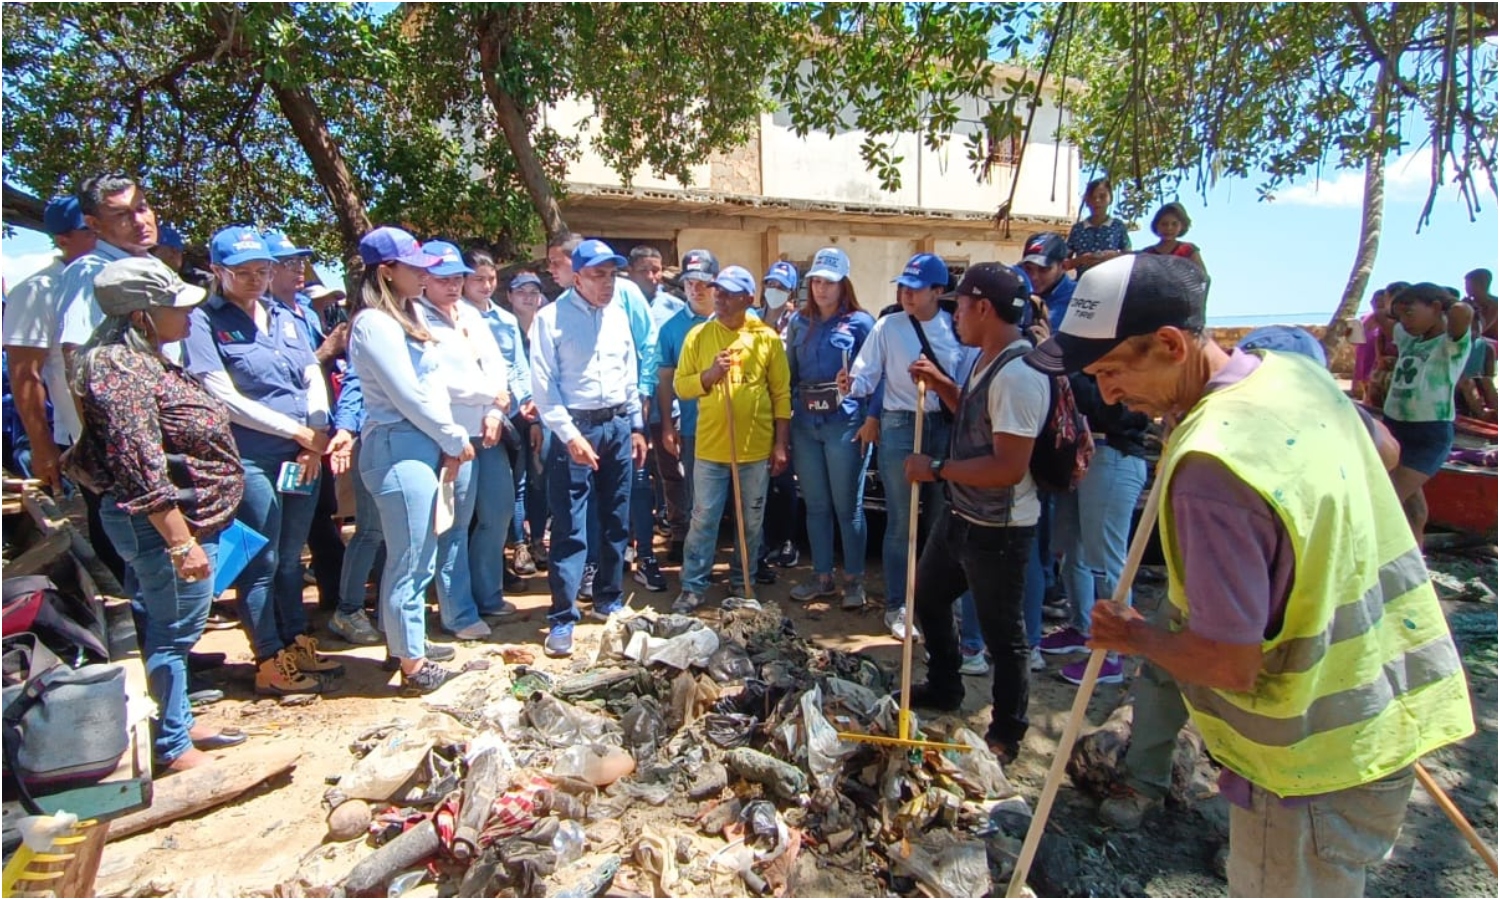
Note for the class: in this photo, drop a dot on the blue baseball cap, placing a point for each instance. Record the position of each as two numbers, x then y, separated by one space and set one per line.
282 246
1286 339
923 271
782 273
1046 249
830 264
451 262
699 265
238 244
736 280
524 279
595 252
62 215
387 244
169 237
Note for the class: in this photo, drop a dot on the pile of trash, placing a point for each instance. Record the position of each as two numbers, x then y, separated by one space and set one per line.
688 758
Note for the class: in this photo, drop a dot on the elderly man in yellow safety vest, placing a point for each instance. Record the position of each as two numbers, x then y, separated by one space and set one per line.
1304 632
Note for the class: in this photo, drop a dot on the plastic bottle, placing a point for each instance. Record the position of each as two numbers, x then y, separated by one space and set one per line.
568 843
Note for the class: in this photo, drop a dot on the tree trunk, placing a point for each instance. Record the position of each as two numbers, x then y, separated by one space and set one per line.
1372 214
517 130
327 160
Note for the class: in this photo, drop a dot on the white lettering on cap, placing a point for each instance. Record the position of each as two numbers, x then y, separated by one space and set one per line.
1094 312
246 244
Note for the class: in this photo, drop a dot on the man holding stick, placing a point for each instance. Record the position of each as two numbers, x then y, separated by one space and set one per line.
1304 633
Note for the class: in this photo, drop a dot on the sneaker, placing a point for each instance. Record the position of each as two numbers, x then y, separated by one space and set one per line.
476 632
649 574
1126 809
674 553
304 652
1037 663
520 561
221 616
354 628
278 677
586 586
512 582
974 664
602 613
821 586
504 611
1056 612
787 556
854 594
686 602
434 652
559 641
539 554
1065 640
1112 672
924 696
895 622
630 555
428 678
764 574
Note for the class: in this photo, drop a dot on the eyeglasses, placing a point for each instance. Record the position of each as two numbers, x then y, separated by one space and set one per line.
293 264
259 273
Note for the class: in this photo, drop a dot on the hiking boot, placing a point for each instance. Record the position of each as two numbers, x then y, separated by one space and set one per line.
426 679
304 652
974 664
895 622
1126 809
586 585
821 586
686 602
1065 640
559 641
476 632
279 676
925 696
648 572
854 594
1112 672
520 561
354 628
539 554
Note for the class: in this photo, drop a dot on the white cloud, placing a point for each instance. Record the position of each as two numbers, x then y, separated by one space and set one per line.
18 268
1407 179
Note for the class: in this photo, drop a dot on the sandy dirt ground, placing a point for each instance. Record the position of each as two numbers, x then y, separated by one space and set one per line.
275 834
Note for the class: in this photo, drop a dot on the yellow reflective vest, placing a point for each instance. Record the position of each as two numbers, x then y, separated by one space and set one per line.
1362 678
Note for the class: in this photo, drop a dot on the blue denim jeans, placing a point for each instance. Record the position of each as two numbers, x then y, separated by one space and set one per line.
689 445
713 487
897 440
494 507
173 612
270 588
399 467
831 470
571 488
1091 526
455 590
365 547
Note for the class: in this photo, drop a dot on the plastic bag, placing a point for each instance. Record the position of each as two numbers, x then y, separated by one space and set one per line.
390 763
945 864
689 648
731 662
598 765
730 729
978 770
643 725
825 752
856 698
562 725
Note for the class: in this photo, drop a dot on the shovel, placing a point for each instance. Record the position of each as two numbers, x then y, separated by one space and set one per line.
903 736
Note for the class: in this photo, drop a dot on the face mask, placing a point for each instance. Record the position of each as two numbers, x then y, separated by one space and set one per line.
776 297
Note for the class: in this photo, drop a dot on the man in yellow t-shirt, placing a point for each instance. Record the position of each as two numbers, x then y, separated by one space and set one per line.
740 356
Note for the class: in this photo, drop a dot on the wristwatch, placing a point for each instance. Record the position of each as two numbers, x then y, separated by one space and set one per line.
936 467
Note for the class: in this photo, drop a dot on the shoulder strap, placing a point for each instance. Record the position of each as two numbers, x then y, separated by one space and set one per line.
927 346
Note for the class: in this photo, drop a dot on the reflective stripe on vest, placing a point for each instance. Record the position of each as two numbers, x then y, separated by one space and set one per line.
1361 677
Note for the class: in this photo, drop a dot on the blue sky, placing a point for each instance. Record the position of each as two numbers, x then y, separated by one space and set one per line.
1285 261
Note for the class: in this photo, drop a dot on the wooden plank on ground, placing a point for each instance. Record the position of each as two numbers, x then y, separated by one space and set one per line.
186 793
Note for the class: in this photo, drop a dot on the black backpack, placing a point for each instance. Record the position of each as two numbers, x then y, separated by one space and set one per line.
1065 445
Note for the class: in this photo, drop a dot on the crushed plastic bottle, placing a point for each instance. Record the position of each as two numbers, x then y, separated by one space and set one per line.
568 843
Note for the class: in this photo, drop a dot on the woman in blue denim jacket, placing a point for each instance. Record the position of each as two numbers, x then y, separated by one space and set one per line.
823 338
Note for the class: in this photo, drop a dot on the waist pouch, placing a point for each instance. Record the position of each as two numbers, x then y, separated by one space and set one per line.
820 399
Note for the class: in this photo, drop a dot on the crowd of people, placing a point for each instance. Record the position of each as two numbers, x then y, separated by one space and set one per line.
489 433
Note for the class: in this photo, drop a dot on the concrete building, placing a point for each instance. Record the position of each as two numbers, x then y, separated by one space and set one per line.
783 197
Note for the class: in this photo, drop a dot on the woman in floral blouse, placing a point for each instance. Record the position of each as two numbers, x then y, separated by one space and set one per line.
1100 236
157 446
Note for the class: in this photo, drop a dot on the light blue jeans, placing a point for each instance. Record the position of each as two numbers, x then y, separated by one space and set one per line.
1091 526
455 589
270 588
365 547
495 505
399 466
712 487
897 441
830 467
173 612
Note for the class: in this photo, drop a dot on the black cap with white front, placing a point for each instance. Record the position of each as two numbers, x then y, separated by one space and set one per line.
997 283
1119 299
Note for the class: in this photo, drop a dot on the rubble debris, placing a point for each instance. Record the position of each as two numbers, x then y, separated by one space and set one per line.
1095 763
